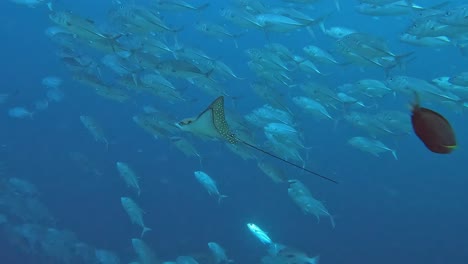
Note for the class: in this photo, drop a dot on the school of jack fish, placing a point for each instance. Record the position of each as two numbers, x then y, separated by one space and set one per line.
139 51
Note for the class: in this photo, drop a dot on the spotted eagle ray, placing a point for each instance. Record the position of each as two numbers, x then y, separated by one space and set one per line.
212 123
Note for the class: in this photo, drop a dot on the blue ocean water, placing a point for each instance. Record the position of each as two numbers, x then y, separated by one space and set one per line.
412 210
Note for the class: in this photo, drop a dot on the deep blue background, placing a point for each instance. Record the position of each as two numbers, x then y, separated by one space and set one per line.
408 211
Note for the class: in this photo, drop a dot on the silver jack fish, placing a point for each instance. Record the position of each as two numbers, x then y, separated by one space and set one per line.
129 176
135 213
209 184
260 234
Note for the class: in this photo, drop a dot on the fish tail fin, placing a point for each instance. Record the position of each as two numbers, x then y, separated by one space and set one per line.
463 105
322 26
314 260
275 248
117 36
332 221
394 154
145 229
221 197
239 78
337 5
209 73
319 20
177 47
401 59
174 54
134 79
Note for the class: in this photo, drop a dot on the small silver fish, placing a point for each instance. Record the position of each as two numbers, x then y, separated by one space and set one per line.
259 233
29 3
52 82
219 253
20 112
209 184
134 213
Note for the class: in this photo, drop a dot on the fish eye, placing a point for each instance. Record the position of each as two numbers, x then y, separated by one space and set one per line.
448 13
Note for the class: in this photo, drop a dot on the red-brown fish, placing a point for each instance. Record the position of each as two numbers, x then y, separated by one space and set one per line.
433 129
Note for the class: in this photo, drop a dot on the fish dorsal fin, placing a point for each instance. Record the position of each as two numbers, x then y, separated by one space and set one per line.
219 120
